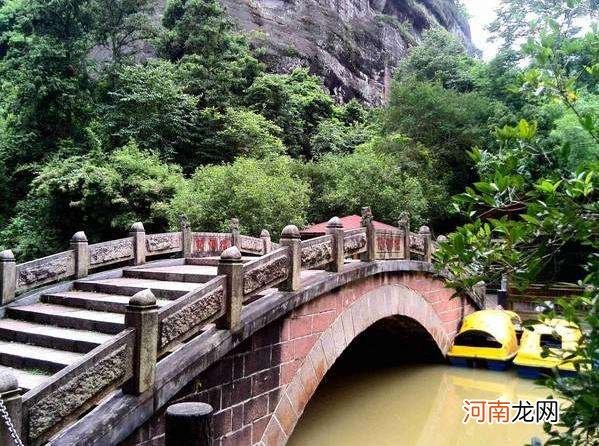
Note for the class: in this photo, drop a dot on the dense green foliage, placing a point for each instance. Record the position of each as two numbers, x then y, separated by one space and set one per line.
263 194
533 212
80 99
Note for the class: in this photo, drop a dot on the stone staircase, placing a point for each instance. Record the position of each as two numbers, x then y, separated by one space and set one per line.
40 339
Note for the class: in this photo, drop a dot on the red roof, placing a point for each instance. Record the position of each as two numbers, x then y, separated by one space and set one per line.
349 222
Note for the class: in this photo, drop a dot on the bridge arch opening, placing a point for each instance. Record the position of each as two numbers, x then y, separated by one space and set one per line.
388 342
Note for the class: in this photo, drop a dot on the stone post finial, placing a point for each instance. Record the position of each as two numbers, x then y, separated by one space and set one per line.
138 233
266 241
137 227
80 247
367 217
441 239
8 277
10 395
231 266
185 235
235 234
404 224
183 222
290 237
142 315
335 229
368 223
427 240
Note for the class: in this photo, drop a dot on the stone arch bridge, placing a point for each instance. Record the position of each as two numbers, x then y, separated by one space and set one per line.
92 352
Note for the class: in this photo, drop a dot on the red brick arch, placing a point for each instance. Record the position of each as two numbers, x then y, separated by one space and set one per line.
387 301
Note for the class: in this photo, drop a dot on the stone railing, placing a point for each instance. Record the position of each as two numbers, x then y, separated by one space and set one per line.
266 272
185 316
73 390
130 359
354 242
82 258
317 252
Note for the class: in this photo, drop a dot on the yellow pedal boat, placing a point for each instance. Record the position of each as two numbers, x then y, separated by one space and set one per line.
487 338
557 335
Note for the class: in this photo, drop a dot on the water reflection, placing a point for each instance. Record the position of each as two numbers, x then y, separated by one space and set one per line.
418 405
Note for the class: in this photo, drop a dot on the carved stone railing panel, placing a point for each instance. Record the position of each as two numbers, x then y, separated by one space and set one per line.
317 252
266 272
416 243
209 243
188 314
354 241
251 245
389 244
73 390
165 243
45 270
107 253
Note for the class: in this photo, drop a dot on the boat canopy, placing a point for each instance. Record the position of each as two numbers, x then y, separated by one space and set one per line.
558 335
487 334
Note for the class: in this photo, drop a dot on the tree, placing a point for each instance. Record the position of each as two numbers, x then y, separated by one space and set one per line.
123 27
334 136
102 195
448 123
440 58
45 70
236 131
345 183
532 219
148 105
215 62
275 196
295 102
516 20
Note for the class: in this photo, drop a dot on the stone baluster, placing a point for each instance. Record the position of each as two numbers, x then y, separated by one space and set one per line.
142 315
290 236
80 247
335 229
138 233
11 397
185 236
404 224
266 241
8 277
368 223
427 242
235 235
188 424
231 266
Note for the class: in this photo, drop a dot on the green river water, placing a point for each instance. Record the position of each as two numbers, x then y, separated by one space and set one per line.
412 405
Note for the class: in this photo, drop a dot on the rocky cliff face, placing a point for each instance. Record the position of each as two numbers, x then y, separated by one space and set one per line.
353 44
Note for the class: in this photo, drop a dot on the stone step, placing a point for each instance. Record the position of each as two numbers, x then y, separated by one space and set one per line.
129 286
212 260
69 339
69 317
112 303
27 378
178 273
21 356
